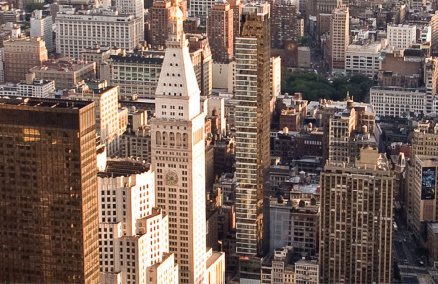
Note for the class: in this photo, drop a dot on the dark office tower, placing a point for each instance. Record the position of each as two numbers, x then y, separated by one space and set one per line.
159 15
356 220
48 188
252 121
220 32
283 22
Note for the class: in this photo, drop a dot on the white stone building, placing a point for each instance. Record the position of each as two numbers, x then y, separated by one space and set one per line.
397 101
363 58
85 29
111 121
41 26
178 156
401 36
29 88
133 233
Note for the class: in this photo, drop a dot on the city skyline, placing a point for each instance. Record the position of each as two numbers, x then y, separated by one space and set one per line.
213 142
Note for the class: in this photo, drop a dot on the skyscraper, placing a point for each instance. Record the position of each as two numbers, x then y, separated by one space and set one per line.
49 207
133 233
434 30
283 24
159 21
356 220
178 155
252 121
220 32
339 37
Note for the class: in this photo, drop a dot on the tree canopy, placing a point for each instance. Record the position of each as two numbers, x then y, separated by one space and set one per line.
315 87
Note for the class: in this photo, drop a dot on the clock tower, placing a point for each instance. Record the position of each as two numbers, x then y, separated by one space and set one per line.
178 154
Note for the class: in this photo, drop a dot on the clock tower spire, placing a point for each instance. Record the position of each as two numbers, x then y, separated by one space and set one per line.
178 154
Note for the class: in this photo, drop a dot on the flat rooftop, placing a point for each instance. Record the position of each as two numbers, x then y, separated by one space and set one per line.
63 65
137 58
123 167
43 102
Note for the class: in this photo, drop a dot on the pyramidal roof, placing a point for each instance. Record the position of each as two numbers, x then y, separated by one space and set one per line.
177 78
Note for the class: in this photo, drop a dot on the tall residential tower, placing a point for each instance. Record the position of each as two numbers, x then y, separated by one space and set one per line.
252 115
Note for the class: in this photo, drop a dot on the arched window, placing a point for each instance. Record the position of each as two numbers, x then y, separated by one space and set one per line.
158 137
178 139
165 138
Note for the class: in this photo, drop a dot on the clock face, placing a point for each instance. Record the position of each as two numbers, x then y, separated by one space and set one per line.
171 178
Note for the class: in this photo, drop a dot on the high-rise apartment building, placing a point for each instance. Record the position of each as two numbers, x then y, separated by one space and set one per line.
252 122
434 33
133 233
79 31
236 5
41 26
339 37
178 157
20 55
159 22
49 209
220 32
283 24
356 220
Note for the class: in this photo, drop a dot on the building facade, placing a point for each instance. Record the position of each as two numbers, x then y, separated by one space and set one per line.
133 233
41 26
159 15
422 192
339 37
49 188
178 155
20 55
65 72
401 36
397 101
79 31
356 220
252 122
363 59
220 32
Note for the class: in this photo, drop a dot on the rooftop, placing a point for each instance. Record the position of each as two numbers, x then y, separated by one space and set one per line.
123 167
43 102
138 58
63 65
